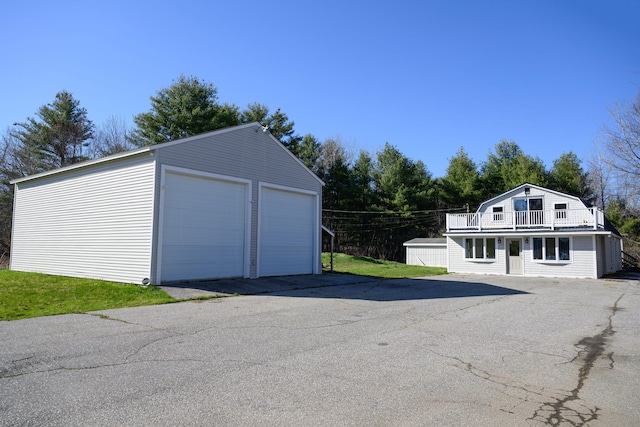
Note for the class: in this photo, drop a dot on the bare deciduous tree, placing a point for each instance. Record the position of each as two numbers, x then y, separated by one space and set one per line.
623 143
112 137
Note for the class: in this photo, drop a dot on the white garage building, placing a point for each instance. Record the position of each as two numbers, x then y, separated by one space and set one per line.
426 252
229 203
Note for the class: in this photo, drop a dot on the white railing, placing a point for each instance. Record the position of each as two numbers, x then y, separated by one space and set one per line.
566 218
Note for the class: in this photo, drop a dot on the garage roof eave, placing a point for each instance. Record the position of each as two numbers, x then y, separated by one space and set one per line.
113 157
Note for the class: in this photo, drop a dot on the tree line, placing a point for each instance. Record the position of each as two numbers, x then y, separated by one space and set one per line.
372 201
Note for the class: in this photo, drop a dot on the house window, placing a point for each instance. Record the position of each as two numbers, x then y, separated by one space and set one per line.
535 204
480 248
563 248
537 248
551 249
528 211
498 213
561 210
520 205
491 248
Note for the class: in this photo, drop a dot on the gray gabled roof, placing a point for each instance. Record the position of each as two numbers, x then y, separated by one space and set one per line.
152 148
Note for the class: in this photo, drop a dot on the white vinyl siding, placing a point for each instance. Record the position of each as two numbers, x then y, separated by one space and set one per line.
287 232
608 248
459 264
251 154
104 219
581 264
479 248
549 201
204 227
427 255
93 222
551 249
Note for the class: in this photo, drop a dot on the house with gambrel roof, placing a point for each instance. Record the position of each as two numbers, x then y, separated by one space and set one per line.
533 231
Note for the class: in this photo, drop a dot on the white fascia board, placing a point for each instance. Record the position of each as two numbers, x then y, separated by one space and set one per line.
545 233
149 148
425 244
88 163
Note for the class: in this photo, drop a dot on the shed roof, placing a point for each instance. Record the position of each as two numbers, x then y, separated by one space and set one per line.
426 241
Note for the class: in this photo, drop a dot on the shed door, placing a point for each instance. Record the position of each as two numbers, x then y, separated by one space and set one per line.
203 228
288 228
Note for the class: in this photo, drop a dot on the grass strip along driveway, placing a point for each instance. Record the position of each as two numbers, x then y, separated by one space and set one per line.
366 266
25 295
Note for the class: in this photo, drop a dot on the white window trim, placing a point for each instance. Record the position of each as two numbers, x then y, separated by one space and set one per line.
498 216
528 200
557 248
484 249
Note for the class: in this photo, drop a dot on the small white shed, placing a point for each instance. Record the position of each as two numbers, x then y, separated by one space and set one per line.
426 252
229 203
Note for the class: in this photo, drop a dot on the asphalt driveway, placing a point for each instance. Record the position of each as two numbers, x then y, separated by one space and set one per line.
334 350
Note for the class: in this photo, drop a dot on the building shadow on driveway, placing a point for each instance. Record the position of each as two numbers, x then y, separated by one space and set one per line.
340 286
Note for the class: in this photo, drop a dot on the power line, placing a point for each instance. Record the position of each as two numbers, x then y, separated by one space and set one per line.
395 212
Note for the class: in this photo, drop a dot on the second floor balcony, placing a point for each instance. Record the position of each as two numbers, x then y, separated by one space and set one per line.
591 218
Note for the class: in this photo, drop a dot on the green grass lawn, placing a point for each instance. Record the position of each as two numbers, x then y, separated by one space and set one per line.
365 266
24 295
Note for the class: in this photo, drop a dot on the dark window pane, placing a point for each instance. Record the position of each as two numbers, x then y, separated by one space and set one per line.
468 253
550 248
561 210
479 249
491 248
537 248
514 248
563 248
535 204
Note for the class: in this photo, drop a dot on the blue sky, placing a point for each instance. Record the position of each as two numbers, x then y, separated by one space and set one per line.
425 76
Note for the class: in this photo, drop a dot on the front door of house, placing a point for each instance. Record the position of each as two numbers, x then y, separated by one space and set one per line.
515 257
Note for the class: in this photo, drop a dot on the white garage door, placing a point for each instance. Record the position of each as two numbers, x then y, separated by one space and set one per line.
203 228
287 232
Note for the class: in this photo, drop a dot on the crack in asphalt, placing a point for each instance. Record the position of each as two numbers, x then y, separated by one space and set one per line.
21 367
565 410
485 375
559 411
